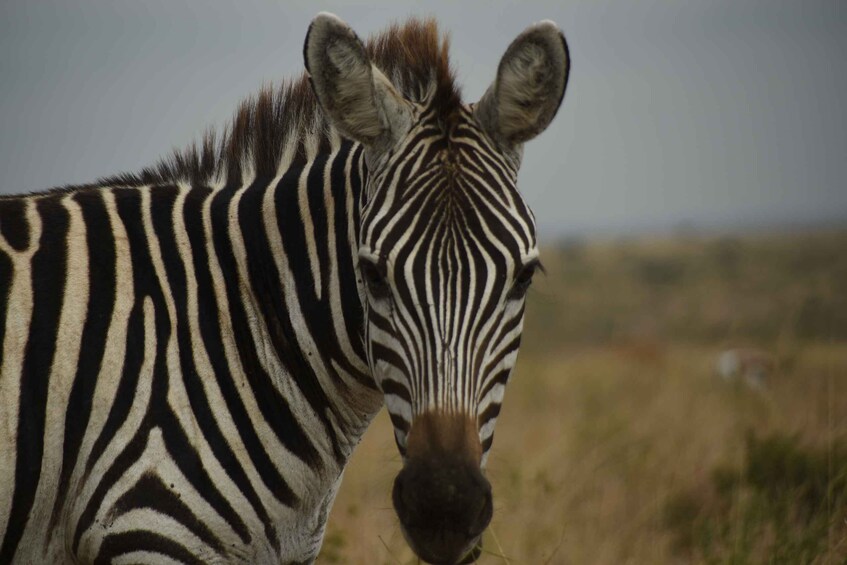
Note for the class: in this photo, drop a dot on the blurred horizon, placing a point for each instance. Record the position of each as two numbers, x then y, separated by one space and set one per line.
684 117
739 226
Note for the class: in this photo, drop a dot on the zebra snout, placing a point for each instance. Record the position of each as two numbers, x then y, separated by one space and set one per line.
441 496
443 506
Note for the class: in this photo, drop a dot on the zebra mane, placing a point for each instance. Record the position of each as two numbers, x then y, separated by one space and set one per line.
413 55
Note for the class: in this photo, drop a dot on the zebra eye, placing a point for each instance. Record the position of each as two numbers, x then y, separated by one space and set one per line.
375 279
523 280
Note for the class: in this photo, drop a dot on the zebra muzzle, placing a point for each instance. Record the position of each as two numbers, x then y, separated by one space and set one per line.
441 497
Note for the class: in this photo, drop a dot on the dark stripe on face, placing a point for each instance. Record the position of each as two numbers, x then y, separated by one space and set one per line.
491 412
48 286
505 223
477 306
451 320
507 348
392 387
499 378
401 167
422 219
504 175
415 197
389 356
488 442
482 306
420 319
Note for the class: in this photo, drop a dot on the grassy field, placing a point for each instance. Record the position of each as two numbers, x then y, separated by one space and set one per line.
618 443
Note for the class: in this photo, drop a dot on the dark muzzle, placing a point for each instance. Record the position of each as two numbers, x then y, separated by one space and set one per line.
443 507
441 496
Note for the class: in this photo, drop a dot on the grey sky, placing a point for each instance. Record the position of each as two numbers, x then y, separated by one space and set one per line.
714 112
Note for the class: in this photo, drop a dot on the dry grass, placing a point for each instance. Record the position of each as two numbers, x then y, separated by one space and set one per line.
600 429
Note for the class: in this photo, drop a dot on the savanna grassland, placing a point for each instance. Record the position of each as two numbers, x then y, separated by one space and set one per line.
618 443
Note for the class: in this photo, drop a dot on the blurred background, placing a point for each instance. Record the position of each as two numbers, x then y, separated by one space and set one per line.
681 395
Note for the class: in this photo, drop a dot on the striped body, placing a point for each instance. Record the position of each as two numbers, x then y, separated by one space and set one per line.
191 354
178 379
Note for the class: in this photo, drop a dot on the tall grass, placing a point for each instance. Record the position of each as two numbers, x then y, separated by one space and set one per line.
784 504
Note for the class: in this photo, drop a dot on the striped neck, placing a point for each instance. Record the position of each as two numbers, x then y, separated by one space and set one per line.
293 242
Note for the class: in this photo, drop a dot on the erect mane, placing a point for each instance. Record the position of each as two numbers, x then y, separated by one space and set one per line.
413 55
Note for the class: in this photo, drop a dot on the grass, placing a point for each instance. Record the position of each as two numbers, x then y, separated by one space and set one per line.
785 503
618 444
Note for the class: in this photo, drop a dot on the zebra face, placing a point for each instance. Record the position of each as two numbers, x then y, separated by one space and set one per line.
447 251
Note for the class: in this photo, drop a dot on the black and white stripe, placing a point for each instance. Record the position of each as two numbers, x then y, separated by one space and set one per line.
171 345
444 331
190 355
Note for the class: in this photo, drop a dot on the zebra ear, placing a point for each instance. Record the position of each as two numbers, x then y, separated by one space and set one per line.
358 99
530 84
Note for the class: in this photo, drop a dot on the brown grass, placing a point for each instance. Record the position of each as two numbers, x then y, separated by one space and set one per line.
601 428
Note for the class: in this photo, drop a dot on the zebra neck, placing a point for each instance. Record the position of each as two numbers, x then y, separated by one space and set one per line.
294 242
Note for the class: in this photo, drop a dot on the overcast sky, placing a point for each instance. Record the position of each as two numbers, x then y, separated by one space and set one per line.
711 113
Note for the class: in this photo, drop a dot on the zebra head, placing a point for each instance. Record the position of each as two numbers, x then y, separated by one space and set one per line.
447 250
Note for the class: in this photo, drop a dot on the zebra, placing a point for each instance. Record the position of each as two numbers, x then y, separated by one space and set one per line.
191 353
